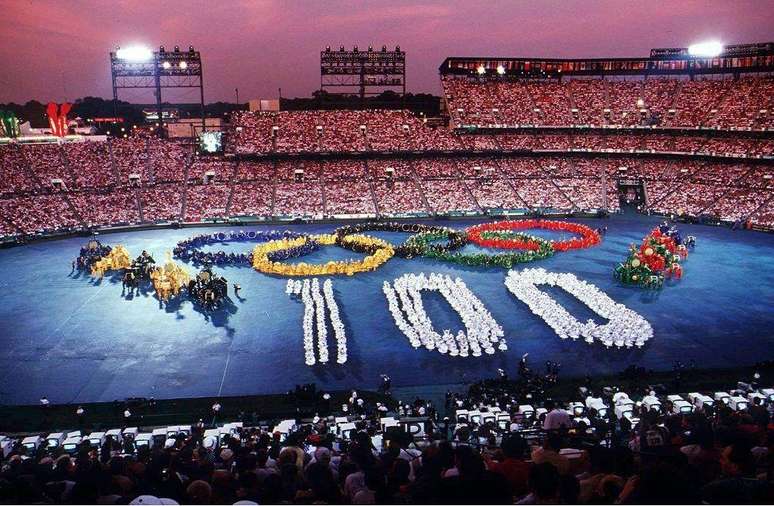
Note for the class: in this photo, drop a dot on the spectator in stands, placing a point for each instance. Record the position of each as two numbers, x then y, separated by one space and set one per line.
549 453
556 418
513 466
738 483
544 482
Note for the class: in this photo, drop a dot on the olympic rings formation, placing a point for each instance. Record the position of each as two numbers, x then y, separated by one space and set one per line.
456 239
537 249
266 256
187 249
283 245
494 235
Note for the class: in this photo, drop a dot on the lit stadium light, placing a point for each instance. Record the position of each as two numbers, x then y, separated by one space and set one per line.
166 65
706 49
500 69
481 70
134 53
183 65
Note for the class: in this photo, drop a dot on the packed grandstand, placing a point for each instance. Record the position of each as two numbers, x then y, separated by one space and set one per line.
501 442
699 147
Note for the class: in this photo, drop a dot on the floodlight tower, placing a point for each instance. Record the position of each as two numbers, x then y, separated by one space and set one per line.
139 67
709 49
366 72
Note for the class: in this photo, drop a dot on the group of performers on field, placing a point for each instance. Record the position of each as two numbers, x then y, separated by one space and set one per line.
140 270
89 255
207 289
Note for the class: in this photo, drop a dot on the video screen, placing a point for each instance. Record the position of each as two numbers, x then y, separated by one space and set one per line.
211 142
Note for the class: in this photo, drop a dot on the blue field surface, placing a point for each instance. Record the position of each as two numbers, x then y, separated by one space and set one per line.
74 339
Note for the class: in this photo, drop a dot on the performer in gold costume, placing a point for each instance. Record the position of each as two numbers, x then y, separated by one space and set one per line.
169 279
118 258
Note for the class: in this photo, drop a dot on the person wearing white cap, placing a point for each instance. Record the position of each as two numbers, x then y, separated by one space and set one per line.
152 499
226 455
146 499
322 455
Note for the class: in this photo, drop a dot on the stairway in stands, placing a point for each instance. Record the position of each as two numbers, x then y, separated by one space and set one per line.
371 188
416 180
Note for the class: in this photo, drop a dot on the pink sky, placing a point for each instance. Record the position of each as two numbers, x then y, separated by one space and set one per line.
58 49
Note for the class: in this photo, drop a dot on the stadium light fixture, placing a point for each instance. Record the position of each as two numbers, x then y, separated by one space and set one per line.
707 49
183 65
481 70
166 65
500 70
134 53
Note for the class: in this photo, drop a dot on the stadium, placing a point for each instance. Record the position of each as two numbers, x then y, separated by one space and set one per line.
355 304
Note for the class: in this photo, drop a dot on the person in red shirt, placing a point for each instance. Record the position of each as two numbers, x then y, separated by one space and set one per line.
513 466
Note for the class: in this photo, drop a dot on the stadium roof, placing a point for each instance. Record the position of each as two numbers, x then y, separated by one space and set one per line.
755 57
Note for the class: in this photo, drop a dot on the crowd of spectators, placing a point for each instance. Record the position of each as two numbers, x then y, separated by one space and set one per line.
252 199
13 170
298 199
552 103
336 131
139 179
542 194
206 201
734 194
219 170
395 187
253 133
730 191
446 195
494 193
255 171
502 441
45 162
130 157
167 160
161 202
106 207
90 163
743 108
39 213
722 103
349 197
